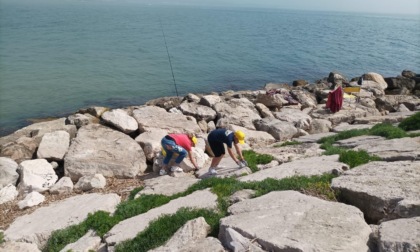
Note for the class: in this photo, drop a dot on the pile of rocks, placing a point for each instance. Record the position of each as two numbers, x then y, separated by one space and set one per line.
77 153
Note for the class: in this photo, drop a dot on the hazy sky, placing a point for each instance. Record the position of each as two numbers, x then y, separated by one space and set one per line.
375 6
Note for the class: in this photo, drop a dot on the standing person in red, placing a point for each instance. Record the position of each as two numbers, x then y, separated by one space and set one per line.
180 144
217 138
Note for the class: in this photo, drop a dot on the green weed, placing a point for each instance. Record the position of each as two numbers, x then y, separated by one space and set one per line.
356 158
387 130
1 237
411 123
254 159
162 229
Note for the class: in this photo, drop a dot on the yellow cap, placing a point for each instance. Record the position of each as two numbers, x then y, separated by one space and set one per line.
163 152
240 136
194 140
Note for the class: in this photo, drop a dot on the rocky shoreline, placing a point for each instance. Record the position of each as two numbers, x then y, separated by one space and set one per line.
79 153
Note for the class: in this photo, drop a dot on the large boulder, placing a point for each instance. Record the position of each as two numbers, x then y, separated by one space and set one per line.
199 112
298 118
240 112
54 145
272 101
291 221
37 130
98 149
80 120
308 100
23 148
165 102
254 138
391 102
399 85
36 175
150 142
382 190
400 235
151 117
210 100
121 120
37 227
280 130
8 172
374 80
346 114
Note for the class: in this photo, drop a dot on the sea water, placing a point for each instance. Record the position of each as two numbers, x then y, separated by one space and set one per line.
58 57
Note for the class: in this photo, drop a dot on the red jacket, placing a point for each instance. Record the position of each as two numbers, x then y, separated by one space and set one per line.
335 100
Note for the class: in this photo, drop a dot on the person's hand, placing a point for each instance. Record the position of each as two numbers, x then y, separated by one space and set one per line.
242 163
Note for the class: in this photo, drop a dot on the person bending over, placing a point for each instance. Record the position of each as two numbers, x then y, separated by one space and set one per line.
180 144
221 136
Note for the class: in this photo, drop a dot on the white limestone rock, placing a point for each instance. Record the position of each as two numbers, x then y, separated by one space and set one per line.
89 242
12 246
8 193
98 149
382 190
298 118
36 175
129 228
400 235
89 182
150 142
54 145
63 186
32 199
8 173
37 227
280 130
193 231
303 167
289 220
150 117
121 120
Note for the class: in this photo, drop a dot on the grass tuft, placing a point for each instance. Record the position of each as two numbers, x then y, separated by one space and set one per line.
1 237
387 130
162 229
356 158
254 159
411 123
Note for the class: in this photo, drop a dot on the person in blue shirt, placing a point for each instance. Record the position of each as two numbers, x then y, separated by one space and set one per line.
217 138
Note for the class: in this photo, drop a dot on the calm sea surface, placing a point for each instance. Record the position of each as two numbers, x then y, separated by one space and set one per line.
57 58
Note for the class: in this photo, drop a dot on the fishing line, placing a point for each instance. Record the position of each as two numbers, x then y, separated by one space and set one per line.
167 51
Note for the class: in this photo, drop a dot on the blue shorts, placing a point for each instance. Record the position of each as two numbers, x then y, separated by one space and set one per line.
217 147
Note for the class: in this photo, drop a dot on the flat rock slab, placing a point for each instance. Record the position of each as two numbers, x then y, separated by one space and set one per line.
390 118
291 152
356 141
37 227
303 167
129 228
291 221
167 185
400 235
346 126
314 137
226 168
393 149
382 190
